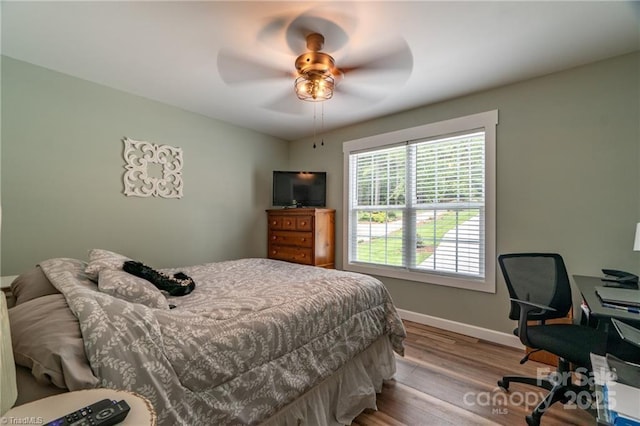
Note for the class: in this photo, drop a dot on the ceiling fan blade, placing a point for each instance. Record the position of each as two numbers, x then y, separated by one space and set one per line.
234 68
273 28
293 27
271 34
367 96
394 57
288 103
335 37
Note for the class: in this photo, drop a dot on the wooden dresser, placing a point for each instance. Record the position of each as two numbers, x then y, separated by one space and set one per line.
305 236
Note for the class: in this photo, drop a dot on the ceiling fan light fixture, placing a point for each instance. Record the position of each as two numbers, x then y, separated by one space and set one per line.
317 72
314 86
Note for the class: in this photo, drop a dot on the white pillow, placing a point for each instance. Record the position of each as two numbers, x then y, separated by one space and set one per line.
133 289
100 259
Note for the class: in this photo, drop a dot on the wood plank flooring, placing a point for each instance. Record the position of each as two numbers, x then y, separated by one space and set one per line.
450 379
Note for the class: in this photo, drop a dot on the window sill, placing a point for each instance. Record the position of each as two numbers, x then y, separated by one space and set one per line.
486 285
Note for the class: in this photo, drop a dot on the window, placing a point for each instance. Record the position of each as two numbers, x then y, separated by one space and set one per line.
420 203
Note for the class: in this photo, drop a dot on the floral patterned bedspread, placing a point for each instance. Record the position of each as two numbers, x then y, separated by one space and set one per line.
253 336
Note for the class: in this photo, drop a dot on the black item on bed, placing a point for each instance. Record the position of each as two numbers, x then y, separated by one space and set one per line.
179 284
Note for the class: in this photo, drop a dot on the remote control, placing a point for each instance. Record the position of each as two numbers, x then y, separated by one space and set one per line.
70 418
110 415
102 413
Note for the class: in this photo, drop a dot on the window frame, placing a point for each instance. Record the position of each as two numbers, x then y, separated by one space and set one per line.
486 121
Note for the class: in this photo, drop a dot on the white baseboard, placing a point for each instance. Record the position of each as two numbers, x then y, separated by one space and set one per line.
461 328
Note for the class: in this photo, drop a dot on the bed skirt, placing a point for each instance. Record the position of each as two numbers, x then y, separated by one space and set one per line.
344 395
336 401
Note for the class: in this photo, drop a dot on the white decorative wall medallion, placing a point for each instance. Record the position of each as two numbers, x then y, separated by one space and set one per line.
152 170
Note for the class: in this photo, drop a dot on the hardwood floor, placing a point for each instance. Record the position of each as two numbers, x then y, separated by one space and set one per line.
450 379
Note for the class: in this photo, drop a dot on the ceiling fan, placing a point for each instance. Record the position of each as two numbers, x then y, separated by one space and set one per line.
362 74
317 72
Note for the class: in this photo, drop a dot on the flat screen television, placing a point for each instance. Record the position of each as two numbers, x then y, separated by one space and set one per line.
299 189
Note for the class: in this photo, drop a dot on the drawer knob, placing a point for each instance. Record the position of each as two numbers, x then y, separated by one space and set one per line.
303 239
303 223
302 255
274 223
288 222
274 238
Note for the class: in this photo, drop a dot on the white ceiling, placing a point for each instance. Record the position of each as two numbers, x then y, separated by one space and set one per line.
187 53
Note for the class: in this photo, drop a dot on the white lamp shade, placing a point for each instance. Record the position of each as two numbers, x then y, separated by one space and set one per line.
8 388
636 242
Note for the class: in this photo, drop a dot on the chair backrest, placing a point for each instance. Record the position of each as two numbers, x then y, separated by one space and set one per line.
538 278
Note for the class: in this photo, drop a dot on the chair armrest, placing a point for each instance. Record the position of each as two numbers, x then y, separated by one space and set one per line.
524 303
525 309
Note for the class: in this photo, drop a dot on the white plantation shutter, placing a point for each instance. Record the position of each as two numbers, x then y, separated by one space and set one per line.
378 175
449 177
419 209
378 196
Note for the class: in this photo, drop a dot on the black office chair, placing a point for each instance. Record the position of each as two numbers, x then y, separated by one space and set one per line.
539 289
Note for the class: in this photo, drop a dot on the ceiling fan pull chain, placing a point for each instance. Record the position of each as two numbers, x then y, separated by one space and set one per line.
314 126
322 124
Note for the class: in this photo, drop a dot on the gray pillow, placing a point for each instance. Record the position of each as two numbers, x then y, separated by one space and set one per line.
31 285
46 339
100 259
133 289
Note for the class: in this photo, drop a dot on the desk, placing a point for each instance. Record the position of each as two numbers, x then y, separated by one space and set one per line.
600 317
587 286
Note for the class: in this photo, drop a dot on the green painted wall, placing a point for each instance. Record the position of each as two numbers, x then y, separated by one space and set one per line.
61 176
568 154
567 177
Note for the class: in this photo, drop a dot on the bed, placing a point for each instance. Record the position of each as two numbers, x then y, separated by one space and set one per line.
258 341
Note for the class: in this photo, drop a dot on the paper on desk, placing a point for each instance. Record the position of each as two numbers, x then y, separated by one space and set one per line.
600 367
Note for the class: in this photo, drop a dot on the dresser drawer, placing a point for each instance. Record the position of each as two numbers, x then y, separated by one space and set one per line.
291 254
275 222
302 235
291 238
291 223
282 222
304 223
